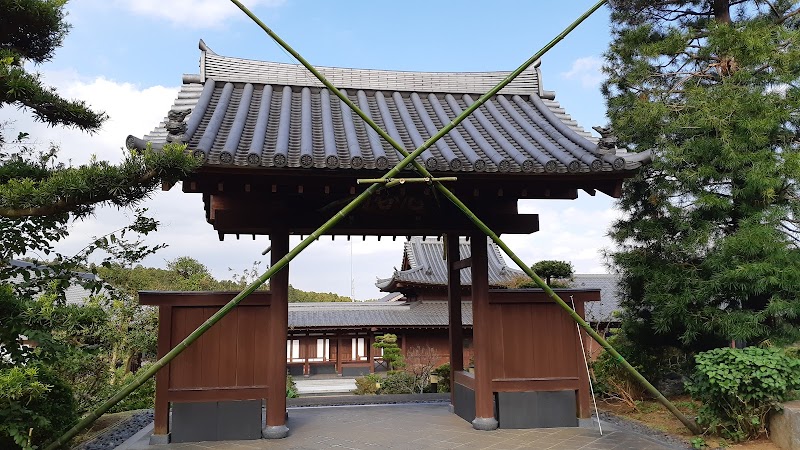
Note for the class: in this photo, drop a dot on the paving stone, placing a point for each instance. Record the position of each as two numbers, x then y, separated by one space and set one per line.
417 426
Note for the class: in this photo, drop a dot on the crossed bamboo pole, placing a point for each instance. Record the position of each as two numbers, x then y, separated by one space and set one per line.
409 158
423 171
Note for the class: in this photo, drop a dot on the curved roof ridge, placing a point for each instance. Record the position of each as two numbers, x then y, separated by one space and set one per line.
241 70
230 123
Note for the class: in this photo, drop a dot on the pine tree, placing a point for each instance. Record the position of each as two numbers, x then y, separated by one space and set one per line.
32 182
709 245
38 198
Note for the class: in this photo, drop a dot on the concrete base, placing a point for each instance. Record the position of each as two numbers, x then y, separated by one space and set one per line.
159 439
784 427
536 409
275 432
484 423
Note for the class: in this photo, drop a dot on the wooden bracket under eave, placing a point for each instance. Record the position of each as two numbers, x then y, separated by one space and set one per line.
612 190
167 185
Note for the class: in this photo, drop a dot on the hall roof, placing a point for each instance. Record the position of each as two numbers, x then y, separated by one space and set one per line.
374 314
424 265
267 115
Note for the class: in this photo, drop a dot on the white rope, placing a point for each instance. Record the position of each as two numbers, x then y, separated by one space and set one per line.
588 375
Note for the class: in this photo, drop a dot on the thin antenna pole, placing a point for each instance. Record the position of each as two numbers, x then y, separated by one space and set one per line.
352 280
588 375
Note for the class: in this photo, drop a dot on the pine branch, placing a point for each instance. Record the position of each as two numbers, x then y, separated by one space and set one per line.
25 90
78 190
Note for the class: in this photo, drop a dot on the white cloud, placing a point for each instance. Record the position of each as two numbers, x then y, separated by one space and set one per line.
193 13
570 230
587 70
131 110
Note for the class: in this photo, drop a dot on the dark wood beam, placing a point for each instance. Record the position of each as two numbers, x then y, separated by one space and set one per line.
262 222
462 264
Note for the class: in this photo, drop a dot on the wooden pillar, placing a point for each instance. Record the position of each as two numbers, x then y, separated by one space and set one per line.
278 328
338 353
454 311
306 349
582 397
370 355
161 410
482 329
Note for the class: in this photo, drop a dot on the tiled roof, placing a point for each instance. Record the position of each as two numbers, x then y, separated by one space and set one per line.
427 266
397 314
74 294
270 115
602 311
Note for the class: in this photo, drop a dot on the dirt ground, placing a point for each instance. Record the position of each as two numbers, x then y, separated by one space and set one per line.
655 415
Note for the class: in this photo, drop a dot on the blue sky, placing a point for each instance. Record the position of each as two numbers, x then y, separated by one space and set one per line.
127 56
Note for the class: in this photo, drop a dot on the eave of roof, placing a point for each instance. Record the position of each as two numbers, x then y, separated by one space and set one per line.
428 268
263 115
359 315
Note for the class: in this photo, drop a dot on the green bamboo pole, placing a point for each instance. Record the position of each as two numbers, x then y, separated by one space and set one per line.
691 425
205 326
404 180
408 159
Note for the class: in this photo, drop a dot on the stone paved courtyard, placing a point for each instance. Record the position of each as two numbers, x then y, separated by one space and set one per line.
417 426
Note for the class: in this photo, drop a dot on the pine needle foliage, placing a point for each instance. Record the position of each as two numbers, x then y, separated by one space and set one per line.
32 182
708 249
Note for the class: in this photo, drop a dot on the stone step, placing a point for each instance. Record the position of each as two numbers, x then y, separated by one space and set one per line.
325 386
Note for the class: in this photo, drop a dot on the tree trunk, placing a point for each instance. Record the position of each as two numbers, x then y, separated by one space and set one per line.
722 11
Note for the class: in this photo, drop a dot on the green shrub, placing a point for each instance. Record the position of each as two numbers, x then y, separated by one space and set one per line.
141 398
398 383
443 372
392 353
739 387
368 384
35 405
613 381
291 387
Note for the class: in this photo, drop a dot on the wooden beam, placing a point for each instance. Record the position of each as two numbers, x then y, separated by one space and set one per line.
161 410
263 222
462 264
456 328
278 328
482 333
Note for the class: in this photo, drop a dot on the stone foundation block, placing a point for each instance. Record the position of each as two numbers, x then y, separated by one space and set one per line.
784 427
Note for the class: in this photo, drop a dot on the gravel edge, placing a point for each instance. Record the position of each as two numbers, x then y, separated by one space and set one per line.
119 433
622 423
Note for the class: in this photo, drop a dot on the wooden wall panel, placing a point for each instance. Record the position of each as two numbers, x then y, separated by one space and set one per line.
260 354
436 340
228 348
209 370
245 366
533 340
231 354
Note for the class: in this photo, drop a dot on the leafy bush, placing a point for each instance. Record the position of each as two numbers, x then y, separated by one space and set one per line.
368 384
395 382
141 398
398 383
443 372
739 387
291 387
35 405
613 381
